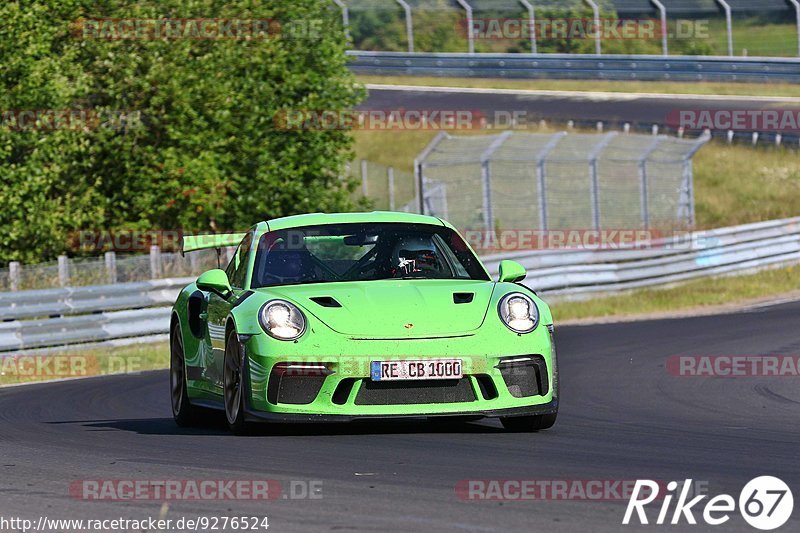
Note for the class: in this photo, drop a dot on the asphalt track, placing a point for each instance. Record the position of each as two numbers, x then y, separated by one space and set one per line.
562 106
623 417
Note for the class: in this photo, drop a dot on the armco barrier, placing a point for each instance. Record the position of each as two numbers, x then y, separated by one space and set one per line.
58 317
736 249
579 67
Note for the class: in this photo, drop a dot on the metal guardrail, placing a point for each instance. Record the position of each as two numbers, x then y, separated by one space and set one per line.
69 316
579 67
579 272
73 315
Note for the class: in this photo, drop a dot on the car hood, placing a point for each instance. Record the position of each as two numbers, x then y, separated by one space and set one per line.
394 309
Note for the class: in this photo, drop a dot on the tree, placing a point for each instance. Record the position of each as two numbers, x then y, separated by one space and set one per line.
181 130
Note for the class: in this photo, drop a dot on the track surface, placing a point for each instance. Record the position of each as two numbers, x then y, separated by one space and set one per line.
562 106
623 417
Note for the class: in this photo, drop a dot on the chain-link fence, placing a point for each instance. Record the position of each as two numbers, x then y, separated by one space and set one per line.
559 181
669 27
386 187
109 268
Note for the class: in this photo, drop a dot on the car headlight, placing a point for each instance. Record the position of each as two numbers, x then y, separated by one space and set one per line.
282 320
518 312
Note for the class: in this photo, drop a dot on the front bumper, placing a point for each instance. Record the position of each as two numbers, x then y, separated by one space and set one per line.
347 393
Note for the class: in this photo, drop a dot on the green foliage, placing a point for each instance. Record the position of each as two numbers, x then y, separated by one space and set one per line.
198 147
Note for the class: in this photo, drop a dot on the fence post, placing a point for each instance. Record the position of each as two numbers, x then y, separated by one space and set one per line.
111 266
541 176
796 5
390 177
419 168
486 175
644 185
63 270
345 17
663 11
729 23
470 33
596 10
595 179
155 262
409 24
364 186
13 275
531 22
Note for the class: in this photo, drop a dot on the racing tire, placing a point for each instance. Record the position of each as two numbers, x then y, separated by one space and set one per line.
184 413
233 376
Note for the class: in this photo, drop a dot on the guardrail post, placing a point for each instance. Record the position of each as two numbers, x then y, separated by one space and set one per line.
729 24
63 270
531 22
470 32
14 275
596 10
664 33
155 262
409 24
390 178
111 266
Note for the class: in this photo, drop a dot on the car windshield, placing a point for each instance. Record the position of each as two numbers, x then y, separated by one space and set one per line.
362 252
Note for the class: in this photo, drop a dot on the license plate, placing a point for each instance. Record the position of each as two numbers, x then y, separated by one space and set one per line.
413 370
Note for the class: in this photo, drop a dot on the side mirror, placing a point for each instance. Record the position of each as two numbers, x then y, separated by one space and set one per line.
215 281
511 271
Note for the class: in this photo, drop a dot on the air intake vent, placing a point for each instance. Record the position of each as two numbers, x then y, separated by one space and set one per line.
463 297
325 301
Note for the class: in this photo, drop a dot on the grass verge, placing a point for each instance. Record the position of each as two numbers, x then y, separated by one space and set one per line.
707 294
81 363
663 87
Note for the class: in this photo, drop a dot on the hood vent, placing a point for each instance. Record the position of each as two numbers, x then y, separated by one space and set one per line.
463 297
325 301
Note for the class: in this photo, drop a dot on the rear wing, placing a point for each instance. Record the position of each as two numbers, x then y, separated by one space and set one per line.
192 243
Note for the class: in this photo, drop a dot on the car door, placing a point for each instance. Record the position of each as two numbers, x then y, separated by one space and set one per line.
219 308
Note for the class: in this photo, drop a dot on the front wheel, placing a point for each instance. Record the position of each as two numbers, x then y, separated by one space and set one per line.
529 423
233 385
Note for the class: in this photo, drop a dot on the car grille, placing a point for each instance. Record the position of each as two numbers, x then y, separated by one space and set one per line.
294 390
525 376
408 392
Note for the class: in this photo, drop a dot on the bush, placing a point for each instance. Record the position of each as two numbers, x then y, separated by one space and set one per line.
197 146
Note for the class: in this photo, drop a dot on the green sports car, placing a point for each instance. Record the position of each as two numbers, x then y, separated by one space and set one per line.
335 317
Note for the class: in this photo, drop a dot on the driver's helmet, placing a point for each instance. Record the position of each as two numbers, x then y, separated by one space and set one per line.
415 254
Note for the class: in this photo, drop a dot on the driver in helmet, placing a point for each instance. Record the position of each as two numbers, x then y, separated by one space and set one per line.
415 256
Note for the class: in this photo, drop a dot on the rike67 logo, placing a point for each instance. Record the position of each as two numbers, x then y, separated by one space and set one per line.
765 503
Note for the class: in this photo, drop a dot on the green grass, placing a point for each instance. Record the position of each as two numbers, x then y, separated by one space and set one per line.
80 363
691 296
705 88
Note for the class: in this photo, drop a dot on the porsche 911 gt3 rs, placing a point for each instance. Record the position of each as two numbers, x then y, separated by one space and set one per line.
335 317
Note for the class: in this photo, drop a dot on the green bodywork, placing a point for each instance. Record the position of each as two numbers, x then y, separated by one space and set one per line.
378 320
